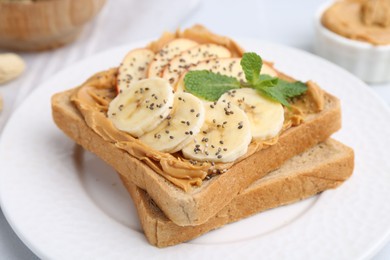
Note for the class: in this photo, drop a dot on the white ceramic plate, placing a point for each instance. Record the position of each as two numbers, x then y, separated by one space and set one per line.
65 203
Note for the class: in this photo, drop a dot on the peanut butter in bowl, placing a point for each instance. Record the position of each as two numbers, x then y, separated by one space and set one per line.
362 20
355 34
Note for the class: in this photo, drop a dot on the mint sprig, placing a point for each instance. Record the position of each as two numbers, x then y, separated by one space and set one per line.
210 86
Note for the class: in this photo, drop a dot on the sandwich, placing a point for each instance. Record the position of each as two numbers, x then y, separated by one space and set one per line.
192 120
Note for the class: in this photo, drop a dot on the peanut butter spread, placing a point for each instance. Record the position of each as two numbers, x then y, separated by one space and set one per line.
92 99
363 20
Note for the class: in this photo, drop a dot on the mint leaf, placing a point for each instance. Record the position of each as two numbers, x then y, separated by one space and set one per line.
251 64
208 85
291 89
278 89
267 81
274 94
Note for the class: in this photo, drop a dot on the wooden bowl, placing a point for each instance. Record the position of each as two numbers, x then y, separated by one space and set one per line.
42 25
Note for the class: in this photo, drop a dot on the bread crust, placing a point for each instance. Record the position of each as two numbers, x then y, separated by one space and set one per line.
322 167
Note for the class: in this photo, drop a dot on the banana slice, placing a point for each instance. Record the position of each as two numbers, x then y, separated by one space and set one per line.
133 67
266 117
167 53
224 136
225 66
180 127
191 57
143 107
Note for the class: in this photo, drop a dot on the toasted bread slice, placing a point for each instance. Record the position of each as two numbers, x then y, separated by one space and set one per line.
201 203
325 166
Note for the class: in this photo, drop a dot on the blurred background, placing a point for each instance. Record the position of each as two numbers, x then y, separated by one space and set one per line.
120 22
102 25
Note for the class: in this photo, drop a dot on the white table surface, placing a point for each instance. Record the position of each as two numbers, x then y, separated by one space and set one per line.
123 21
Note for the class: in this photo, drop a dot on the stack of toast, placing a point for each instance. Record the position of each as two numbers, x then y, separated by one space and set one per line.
301 161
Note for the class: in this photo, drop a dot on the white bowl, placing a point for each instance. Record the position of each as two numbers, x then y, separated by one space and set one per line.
368 62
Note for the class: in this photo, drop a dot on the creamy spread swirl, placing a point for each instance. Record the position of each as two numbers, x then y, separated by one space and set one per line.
363 20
